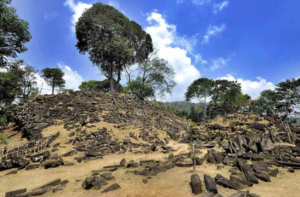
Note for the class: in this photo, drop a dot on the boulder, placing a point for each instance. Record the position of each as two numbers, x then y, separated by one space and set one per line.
210 184
227 183
108 176
196 184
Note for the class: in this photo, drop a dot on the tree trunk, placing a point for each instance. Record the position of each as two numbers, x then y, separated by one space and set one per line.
111 79
53 89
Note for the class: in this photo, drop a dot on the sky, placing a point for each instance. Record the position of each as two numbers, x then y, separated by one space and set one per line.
254 42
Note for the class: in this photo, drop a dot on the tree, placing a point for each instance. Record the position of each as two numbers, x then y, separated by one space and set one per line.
9 88
289 91
53 77
14 33
233 99
111 40
267 101
98 85
91 85
140 89
221 87
26 79
156 73
201 89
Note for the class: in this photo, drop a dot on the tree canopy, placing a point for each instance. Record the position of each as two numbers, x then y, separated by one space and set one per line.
14 33
111 40
54 77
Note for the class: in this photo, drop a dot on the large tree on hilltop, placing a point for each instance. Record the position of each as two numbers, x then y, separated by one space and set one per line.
111 40
54 77
14 33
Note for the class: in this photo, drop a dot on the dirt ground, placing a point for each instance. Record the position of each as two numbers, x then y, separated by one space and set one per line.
174 182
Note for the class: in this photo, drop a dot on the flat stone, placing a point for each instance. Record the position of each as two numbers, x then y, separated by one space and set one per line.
263 177
227 183
113 187
69 153
33 166
108 176
15 192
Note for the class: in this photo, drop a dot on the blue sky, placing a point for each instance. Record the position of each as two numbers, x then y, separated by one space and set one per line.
253 41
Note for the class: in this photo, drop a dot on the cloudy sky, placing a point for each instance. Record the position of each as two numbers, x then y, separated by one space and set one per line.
255 42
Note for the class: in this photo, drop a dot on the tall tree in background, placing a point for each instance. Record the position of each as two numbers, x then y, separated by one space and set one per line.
54 77
200 89
14 33
26 79
156 73
289 91
112 40
266 102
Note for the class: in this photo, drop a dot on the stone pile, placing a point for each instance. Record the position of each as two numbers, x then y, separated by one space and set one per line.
82 107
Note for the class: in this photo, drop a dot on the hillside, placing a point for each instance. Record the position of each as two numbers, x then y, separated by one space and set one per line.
94 143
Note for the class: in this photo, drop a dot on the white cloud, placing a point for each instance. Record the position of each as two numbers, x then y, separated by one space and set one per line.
200 2
198 58
50 15
78 10
72 78
252 88
186 43
218 63
219 6
213 31
115 4
163 36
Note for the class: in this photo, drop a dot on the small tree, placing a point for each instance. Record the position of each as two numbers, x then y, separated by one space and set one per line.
53 77
142 91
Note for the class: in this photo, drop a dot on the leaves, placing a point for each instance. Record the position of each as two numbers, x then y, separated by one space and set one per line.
14 33
54 77
112 41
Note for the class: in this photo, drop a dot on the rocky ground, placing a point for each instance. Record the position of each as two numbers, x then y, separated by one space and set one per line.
90 143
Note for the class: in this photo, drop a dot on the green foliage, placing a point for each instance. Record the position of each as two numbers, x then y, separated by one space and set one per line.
14 33
3 139
26 76
289 91
192 124
155 77
67 90
111 40
200 88
54 77
142 91
98 85
8 88
266 102
3 121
